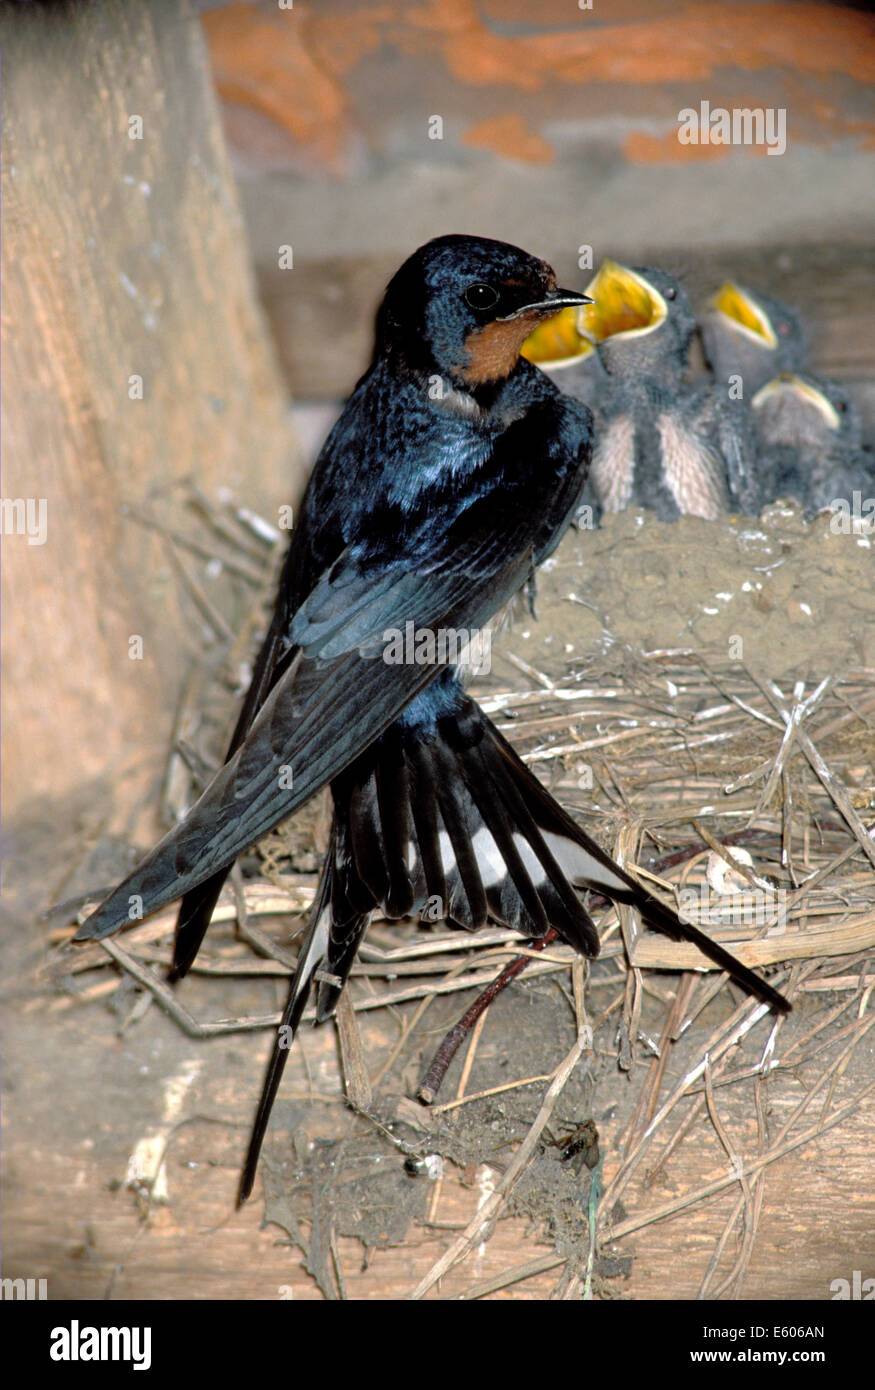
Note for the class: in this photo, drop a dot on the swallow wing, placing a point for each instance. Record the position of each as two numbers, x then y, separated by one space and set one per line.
198 904
336 697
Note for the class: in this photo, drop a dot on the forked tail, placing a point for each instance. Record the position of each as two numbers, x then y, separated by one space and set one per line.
441 819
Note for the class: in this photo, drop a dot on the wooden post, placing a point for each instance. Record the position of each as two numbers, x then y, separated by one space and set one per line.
134 356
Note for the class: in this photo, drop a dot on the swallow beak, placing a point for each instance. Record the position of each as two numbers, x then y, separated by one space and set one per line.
553 301
791 392
744 313
625 303
566 299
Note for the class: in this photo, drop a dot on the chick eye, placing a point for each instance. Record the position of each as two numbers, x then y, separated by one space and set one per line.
670 292
480 296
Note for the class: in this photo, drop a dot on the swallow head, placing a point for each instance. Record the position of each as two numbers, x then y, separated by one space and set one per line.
763 321
640 317
463 307
750 334
801 410
743 314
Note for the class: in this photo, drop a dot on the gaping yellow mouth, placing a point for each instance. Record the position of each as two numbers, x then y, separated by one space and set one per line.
731 301
558 341
789 385
624 304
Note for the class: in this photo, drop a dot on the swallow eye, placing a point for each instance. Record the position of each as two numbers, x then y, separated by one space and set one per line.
670 292
480 296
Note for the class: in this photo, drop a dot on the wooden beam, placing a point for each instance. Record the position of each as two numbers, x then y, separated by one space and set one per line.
135 356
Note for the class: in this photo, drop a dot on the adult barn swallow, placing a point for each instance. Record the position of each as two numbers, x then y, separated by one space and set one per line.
809 441
660 443
452 472
750 336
